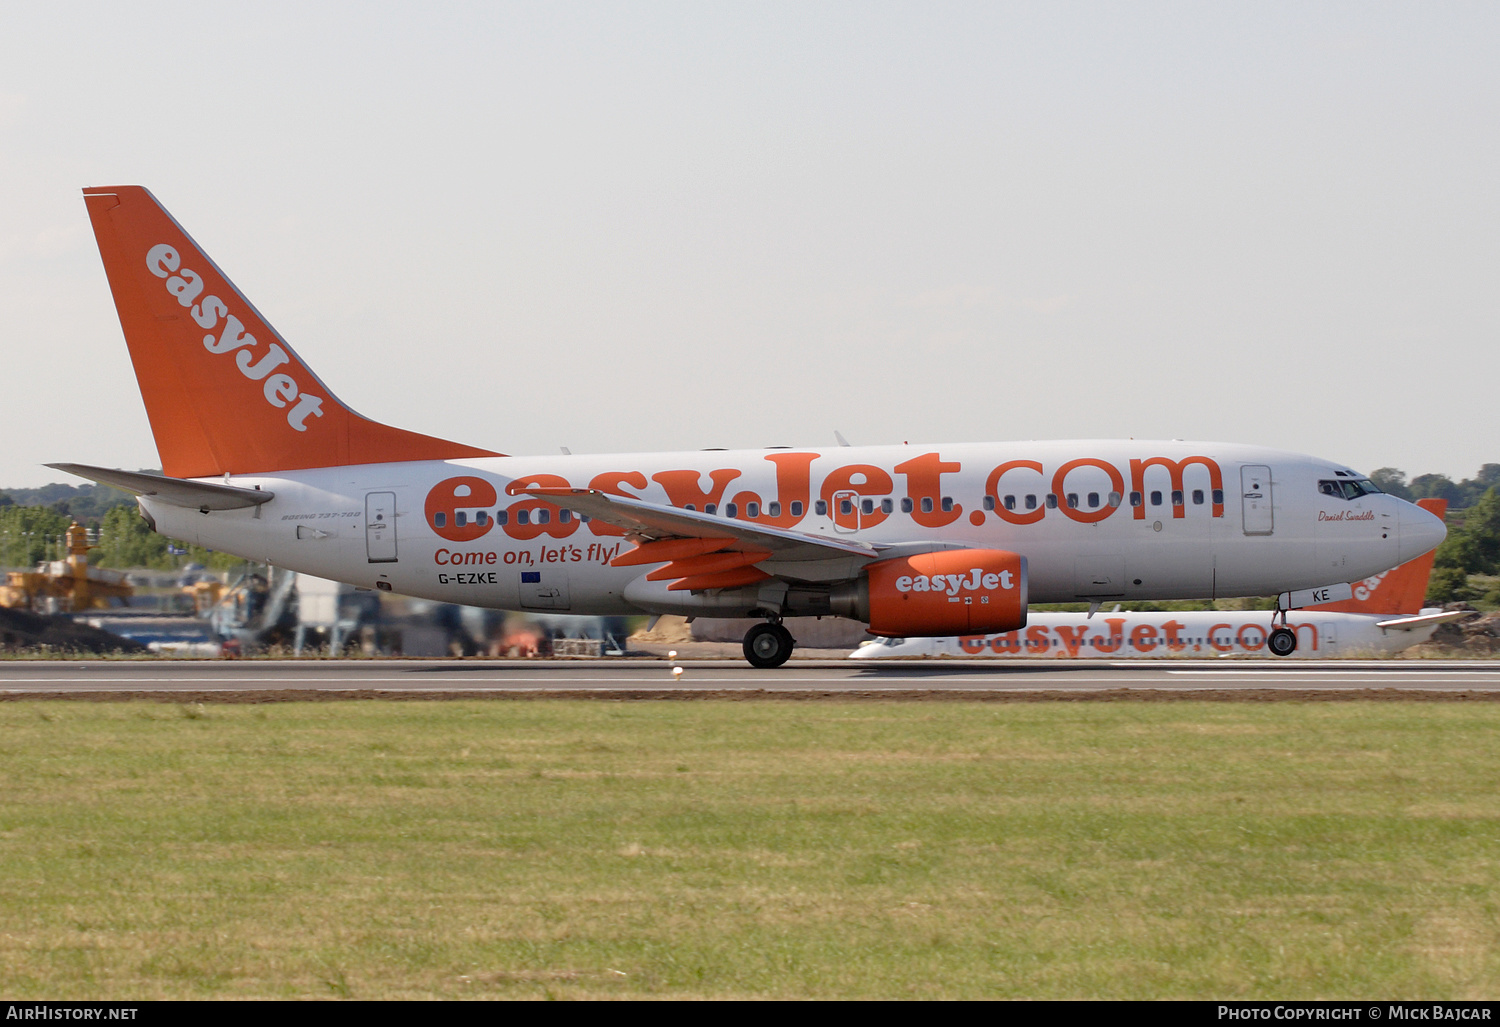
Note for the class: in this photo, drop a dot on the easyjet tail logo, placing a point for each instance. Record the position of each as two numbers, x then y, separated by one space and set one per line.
281 390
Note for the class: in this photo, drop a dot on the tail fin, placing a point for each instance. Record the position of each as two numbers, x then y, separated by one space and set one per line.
224 392
1399 590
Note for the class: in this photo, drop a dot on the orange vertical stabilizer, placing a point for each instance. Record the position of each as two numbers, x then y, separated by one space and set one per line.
1399 590
224 392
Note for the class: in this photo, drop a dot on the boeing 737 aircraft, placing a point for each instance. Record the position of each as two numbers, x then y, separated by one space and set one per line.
1384 616
260 459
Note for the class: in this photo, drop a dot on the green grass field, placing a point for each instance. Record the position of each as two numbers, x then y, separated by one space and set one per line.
719 849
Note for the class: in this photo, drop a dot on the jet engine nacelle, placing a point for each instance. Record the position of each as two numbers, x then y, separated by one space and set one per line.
952 592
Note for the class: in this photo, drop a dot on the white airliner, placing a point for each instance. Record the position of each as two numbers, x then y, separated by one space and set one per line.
261 460
1384 616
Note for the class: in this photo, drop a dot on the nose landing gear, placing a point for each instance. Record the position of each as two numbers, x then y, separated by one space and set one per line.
1281 641
768 645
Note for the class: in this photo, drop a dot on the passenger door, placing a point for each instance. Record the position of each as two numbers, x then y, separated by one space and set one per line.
1255 499
380 527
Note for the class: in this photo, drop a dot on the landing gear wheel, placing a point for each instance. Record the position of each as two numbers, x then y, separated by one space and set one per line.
768 645
1282 642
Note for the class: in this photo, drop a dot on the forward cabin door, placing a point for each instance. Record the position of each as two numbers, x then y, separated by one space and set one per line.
380 527
1255 499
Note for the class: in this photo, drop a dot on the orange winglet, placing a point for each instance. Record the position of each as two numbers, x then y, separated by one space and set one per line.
709 563
662 550
223 391
721 579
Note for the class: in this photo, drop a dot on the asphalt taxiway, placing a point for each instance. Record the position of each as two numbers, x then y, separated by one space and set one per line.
283 680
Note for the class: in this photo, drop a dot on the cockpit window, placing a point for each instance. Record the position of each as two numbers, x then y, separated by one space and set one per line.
1350 488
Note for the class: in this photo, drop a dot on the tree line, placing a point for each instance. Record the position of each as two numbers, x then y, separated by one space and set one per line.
31 534
1460 494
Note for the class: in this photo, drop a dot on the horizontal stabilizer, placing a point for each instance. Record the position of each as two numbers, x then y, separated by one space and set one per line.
1423 620
194 495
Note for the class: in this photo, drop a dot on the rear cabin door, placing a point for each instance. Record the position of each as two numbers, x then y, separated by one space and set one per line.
380 527
1255 499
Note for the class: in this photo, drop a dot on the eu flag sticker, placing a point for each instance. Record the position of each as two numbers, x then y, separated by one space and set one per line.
531 577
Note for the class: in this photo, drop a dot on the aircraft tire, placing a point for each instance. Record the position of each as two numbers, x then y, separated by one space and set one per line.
768 645
1282 642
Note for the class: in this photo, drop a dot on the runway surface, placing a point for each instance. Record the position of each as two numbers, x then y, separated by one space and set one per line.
268 680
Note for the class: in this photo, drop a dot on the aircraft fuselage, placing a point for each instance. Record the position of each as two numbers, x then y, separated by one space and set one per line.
1102 520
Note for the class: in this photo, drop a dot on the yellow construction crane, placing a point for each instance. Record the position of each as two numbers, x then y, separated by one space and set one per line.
63 586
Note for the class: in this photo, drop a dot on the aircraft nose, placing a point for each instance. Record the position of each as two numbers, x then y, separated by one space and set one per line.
1419 532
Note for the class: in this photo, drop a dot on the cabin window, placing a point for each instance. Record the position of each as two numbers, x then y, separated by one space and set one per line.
690 506
989 502
460 519
907 505
1177 497
1135 499
886 506
543 516
440 519
1219 497
773 509
867 506
523 516
1031 502
796 508
820 508
564 516
947 504
1114 500
1093 500
502 516
481 517
583 518
1010 502
1156 499
927 504
1197 497
752 510
710 508
846 506
1072 501
1051 501
731 510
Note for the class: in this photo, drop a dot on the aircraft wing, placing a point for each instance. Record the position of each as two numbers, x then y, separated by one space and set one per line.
649 522
194 495
1422 620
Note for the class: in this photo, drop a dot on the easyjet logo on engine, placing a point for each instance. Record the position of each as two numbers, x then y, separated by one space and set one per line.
976 580
280 390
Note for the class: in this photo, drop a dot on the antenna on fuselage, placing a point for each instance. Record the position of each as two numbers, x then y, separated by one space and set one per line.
840 436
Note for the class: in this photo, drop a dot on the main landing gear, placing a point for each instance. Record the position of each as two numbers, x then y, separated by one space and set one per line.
769 645
1281 641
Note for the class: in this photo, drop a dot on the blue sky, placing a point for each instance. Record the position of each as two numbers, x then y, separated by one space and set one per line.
652 226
